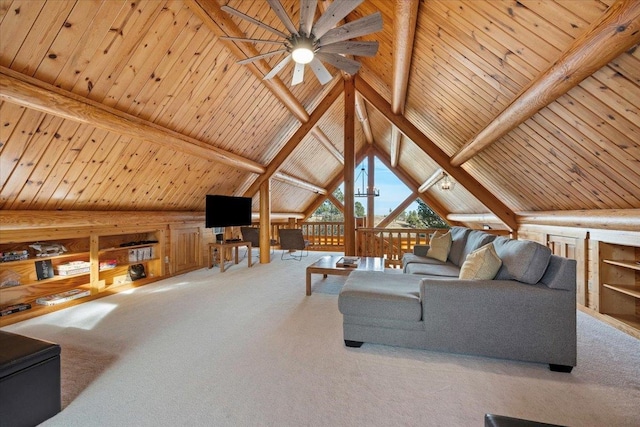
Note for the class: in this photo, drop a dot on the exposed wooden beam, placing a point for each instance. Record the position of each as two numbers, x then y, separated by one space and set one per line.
278 216
349 166
295 139
607 219
435 177
363 118
492 203
405 18
28 92
616 32
394 146
412 184
265 222
221 24
337 203
398 210
324 140
299 183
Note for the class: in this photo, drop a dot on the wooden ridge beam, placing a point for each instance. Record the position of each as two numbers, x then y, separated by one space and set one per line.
295 139
615 32
492 203
28 92
221 24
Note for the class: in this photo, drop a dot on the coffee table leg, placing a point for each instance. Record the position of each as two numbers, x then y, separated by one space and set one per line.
308 282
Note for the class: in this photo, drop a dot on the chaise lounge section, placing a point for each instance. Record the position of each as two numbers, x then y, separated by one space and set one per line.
527 312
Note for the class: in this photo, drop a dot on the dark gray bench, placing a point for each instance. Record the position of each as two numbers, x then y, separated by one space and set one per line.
29 380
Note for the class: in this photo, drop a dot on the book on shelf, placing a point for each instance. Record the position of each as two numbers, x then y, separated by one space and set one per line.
44 269
348 261
73 267
63 297
16 308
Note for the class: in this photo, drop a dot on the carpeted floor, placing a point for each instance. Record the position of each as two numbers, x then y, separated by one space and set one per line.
248 348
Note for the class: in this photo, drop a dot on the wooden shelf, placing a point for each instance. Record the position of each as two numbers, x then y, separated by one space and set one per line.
626 264
632 290
125 248
66 255
628 320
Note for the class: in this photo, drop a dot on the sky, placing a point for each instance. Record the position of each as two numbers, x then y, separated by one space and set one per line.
392 190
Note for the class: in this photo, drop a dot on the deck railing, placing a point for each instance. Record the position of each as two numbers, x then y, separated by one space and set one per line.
390 243
374 242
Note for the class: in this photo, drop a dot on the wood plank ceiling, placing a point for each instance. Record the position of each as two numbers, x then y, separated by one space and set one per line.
138 104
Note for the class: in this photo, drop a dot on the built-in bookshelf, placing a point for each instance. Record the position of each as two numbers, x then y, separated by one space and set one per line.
32 270
619 281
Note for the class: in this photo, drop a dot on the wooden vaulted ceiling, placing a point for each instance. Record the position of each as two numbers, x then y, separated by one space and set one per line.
138 104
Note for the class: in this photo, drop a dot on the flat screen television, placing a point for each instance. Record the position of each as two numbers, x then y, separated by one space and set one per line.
227 211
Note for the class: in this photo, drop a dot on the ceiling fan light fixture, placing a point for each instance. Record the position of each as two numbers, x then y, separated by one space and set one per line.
302 49
302 55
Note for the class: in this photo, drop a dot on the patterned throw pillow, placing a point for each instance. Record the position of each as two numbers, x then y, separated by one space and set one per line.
439 246
481 264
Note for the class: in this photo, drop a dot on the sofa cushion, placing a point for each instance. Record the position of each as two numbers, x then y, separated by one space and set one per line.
560 274
409 258
439 246
447 269
458 240
381 295
475 240
522 260
481 264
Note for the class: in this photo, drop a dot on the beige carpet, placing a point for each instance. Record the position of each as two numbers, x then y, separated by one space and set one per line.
248 348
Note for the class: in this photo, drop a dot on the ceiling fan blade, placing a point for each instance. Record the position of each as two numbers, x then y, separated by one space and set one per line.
360 27
264 55
253 21
275 70
351 48
242 39
282 14
307 13
298 74
334 13
321 72
345 64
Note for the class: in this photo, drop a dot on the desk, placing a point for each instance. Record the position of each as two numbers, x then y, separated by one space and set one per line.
223 245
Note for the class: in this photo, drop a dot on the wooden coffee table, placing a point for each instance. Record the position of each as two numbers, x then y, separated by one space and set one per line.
327 265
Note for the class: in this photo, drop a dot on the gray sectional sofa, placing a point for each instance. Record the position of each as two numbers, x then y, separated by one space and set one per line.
527 312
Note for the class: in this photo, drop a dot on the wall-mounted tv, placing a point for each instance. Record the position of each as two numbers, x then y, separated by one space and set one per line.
227 211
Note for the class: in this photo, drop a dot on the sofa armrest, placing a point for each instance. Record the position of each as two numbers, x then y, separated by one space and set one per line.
504 318
420 250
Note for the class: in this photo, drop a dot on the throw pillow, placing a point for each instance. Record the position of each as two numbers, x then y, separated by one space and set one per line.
481 264
439 246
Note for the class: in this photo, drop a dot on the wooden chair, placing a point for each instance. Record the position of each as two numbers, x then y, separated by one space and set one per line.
292 240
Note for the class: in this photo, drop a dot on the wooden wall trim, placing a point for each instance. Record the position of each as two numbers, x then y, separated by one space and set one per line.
24 220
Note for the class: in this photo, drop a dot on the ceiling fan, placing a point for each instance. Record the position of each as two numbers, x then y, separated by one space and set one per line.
316 43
